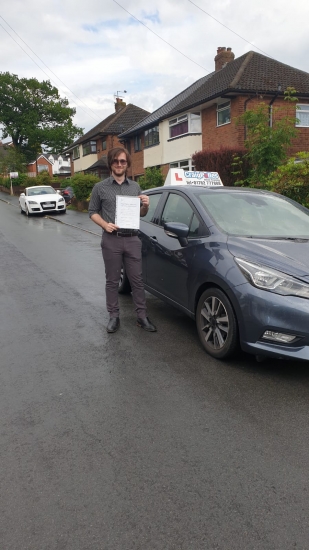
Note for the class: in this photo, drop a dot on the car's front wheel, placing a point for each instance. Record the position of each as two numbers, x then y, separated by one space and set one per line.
124 286
27 210
216 324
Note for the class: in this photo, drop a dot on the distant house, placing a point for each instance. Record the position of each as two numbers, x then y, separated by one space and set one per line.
89 152
61 165
40 164
204 115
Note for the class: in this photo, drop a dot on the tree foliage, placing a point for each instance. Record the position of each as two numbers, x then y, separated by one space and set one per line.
34 115
152 178
11 160
267 144
292 179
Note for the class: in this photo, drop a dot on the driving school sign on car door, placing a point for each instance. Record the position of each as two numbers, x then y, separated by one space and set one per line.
178 176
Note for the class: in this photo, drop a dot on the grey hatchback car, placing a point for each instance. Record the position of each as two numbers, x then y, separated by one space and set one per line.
234 259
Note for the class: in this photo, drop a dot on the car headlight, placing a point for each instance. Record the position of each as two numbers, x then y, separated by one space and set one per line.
61 199
272 280
32 202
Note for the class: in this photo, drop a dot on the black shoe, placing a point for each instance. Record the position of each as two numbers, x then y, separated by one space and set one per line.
146 324
113 324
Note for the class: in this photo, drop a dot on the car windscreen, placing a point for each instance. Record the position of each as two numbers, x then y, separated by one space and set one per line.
41 191
256 215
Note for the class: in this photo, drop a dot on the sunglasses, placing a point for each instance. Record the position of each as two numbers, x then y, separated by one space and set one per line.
121 161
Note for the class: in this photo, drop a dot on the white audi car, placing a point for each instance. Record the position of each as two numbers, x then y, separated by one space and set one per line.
43 198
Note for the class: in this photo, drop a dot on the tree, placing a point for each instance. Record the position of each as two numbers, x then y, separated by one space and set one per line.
267 145
11 160
34 115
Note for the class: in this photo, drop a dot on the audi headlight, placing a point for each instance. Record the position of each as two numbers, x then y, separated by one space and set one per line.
272 280
32 202
61 199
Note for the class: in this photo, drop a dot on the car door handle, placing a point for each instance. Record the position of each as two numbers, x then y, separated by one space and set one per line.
154 239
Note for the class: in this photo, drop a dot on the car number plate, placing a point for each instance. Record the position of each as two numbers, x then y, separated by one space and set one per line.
48 204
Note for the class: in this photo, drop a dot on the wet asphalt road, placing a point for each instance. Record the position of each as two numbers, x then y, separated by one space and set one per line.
134 440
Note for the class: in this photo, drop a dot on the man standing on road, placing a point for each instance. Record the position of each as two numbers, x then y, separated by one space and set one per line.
120 246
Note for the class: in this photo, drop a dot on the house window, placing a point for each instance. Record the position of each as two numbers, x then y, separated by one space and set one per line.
223 113
186 165
189 123
302 115
89 147
104 145
137 143
152 136
42 168
76 153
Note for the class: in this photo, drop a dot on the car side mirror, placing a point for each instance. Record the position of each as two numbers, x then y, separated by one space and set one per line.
178 231
57 191
22 195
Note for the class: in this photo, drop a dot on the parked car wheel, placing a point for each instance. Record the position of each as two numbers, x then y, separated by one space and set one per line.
124 283
21 210
216 324
27 210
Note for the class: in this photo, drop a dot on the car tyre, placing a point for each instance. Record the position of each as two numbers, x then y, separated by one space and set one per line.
216 324
21 210
124 286
27 210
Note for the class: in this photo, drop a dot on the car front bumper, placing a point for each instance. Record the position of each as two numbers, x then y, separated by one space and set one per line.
39 208
259 311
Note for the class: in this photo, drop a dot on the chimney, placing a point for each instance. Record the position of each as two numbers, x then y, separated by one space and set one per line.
119 104
224 56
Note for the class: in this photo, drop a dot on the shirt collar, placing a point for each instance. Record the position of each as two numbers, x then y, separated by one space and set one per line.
124 181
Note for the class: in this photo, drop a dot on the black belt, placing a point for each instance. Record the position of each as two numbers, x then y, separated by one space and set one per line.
123 234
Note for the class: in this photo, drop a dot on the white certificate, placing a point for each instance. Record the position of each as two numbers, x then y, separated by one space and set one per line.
127 212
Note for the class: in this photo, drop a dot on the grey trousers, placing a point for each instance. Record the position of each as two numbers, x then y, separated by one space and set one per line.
128 251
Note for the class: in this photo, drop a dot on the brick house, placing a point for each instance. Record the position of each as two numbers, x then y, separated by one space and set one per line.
41 164
89 152
204 115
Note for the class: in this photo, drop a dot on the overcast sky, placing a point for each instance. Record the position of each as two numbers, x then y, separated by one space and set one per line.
94 49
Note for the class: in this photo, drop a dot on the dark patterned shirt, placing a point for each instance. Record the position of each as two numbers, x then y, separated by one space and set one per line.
103 197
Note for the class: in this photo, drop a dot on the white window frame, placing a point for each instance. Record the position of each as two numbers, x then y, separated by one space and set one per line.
185 164
299 110
182 118
221 107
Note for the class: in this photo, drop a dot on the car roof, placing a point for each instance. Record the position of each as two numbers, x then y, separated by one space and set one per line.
193 189
36 186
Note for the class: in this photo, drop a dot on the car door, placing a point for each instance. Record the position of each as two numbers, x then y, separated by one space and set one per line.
169 266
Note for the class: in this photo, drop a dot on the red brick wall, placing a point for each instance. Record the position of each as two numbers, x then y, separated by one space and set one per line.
232 135
32 168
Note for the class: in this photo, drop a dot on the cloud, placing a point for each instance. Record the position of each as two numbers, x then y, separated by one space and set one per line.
96 48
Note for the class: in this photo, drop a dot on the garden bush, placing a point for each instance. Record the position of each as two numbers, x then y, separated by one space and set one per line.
152 178
82 185
231 164
292 179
